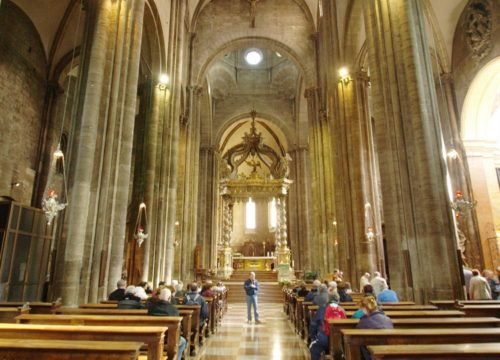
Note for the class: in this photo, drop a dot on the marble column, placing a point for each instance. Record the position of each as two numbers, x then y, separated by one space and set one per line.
420 234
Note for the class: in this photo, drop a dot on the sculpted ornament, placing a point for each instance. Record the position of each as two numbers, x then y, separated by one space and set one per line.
478 28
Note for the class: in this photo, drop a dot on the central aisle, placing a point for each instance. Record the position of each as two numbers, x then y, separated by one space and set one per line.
274 339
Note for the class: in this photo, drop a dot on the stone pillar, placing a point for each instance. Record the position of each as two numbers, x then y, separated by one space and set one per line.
323 249
361 218
300 208
110 70
420 233
159 102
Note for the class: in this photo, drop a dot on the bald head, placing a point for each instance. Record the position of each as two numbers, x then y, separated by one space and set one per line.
165 294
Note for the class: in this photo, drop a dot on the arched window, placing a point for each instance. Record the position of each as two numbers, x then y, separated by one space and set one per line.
273 214
250 218
64 147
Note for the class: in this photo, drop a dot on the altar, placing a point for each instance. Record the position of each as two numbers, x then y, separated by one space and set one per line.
254 263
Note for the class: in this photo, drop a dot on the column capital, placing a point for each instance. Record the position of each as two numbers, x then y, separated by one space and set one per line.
195 89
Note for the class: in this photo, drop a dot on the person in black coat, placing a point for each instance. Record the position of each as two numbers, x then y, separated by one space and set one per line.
130 301
119 293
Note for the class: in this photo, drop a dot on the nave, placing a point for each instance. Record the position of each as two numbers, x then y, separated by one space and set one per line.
236 339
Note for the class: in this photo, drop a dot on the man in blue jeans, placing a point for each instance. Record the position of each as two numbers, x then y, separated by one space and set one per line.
252 290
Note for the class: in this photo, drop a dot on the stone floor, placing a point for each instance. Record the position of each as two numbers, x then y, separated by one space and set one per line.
274 339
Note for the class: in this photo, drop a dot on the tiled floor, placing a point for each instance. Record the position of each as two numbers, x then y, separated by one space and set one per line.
272 340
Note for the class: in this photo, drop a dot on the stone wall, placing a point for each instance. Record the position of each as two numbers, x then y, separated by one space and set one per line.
22 89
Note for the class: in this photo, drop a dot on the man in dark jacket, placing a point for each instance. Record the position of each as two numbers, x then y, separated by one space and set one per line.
119 293
163 307
314 291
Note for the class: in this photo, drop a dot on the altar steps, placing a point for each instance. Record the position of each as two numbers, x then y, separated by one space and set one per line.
270 293
260 275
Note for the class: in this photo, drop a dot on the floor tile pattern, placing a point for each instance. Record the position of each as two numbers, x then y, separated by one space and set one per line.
274 339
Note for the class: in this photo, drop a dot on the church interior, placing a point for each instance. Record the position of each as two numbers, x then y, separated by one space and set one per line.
168 141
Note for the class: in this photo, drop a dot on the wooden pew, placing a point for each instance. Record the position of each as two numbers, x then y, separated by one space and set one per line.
29 349
354 338
195 326
387 307
112 309
400 303
172 322
488 351
9 314
35 307
211 316
453 304
480 310
337 325
418 313
152 336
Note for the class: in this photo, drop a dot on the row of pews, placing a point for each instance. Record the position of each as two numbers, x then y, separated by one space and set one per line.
441 330
102 331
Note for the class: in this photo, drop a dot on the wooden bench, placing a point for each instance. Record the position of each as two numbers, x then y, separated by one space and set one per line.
485 351
354 338
418 313
152 336
9 314
173 323
480 310
400 303
195 326
35 307
337 325
29 349
387 307
112 309
453 304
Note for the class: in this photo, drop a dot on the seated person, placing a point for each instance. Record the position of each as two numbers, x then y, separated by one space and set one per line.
367 291
321 298
141 290
206 290
314 291
343 292
220 288
302 290
194 298
319 329
179 292
373 318
130 300
162 307
387 296
119 293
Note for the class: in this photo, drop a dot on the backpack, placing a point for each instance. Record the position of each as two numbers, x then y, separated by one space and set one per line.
332 311
191 301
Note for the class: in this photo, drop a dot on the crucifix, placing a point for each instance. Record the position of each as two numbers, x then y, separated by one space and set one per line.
253 6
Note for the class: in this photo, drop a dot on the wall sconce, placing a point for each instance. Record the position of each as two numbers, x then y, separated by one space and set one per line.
164 80
452 154
344 77
370 235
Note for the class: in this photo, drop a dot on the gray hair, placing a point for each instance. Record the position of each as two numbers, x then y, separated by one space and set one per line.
165 294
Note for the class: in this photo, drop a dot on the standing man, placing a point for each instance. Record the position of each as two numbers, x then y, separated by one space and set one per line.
252 289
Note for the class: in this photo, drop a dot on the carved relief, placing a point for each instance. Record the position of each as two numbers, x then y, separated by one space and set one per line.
478 28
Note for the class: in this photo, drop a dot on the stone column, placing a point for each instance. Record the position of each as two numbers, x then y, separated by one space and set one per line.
323 248
160 97
361 218
227 227
130 75
101 169
420 233
300 208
